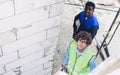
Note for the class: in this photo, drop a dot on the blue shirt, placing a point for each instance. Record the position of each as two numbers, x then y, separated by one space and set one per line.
88 22
82 23
92 63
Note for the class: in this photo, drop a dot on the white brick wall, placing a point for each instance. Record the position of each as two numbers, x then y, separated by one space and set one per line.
38 27
32 71
48 64
52 32
23 61
50 42
1 51
24 19
28 36
10 73
19 44
2 70
7 37
31 66
38 47
26 5
45 71
50 50
6 9
56 9
8 58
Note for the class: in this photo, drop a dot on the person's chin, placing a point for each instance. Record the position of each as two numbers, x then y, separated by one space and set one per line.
80 48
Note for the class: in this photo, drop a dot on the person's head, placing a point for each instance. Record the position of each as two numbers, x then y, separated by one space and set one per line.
89 8
83 39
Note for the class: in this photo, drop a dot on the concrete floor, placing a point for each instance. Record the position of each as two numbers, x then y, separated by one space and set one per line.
105 16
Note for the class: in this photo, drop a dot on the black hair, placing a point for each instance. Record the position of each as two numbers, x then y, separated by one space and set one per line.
90 4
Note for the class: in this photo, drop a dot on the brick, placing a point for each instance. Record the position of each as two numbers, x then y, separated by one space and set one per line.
45 71
10 73
7 37
50 42
37 62
1 1
56 9
38 27
2 70
23 5
19 44
33 64
8 58
1 54
24 32
34 70
52 32
31 49
46 58
30 66
23 61
6 9
50 50
48 64
53 21
48 70
50 73
23 19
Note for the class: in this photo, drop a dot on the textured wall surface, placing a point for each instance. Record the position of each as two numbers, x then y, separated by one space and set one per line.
105 16
28 36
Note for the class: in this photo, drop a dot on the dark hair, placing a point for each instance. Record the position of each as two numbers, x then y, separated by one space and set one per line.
90 4
84 36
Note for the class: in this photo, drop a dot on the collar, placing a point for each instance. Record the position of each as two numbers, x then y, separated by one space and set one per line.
78 53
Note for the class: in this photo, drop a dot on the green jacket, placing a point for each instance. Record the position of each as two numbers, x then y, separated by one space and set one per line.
78 65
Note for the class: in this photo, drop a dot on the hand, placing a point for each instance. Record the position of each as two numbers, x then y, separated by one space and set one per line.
63 66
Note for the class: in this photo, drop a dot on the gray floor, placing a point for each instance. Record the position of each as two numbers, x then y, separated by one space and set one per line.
105 16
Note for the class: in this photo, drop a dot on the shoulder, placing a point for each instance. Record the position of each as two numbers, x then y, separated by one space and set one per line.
94 20
82 12
74 42
91 53
79 14
92 60
93 17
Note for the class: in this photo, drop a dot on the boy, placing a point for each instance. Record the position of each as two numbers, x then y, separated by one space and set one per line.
79 59
86 21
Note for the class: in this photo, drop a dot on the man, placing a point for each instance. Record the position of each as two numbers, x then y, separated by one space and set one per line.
79 59
86 21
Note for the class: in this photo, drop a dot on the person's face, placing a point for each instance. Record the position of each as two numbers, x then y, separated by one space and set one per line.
81 45
89 11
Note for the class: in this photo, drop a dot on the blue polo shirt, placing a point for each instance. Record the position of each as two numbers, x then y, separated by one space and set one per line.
88 22
82 23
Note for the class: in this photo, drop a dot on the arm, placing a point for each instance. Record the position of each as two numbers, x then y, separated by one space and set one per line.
93 31
92 63
76 24
66 58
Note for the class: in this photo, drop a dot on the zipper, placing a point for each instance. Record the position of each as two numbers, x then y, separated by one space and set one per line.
75 63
